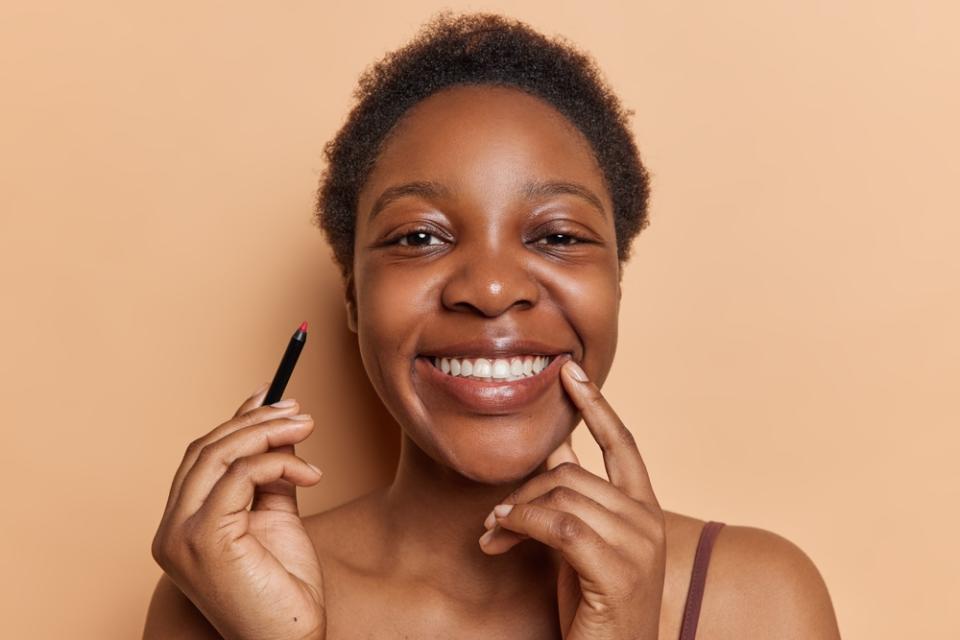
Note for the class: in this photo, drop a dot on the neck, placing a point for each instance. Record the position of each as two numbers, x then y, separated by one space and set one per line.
435 517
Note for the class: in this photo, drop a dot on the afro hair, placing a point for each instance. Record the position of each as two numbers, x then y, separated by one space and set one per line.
480 48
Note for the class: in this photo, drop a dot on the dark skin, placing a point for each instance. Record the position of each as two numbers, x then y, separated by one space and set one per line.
578 555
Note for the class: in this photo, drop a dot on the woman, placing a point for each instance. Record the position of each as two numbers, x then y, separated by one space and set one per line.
480 202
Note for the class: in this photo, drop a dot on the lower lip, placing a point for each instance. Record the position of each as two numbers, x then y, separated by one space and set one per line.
494 397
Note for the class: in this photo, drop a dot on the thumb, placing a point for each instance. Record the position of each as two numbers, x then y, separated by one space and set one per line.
563 453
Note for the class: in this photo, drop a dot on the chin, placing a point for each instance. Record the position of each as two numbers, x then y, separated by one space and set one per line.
499 472
506 455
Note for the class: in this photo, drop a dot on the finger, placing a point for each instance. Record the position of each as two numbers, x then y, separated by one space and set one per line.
575 477
255 416
215 458
621 457
277 495
254 401
508 539
563 453
614 530
234 490
577 542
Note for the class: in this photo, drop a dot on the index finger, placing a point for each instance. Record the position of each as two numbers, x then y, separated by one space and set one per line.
254 401
242 418
621 457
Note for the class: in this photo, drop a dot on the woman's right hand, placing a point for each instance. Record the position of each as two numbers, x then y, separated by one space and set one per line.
253 574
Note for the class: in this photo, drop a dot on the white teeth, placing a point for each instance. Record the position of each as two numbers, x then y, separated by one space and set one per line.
482 368
515 368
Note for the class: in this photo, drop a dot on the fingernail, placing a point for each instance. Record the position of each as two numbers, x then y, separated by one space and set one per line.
283 404
490 521
302 416
260 389
315 469
502 510
576 372
485 538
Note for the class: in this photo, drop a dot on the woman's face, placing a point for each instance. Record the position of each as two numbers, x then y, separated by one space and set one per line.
484 236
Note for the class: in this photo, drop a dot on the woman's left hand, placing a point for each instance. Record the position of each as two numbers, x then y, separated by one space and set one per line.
610 534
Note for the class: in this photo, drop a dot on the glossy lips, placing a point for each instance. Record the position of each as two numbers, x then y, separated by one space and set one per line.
494 397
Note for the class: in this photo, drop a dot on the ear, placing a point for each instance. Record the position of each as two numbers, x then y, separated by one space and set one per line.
350 295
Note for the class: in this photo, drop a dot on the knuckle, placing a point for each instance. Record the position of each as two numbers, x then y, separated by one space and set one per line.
169 546
657 535
603 610
245 420
568 528
193 538
649 545
566 470
561 496
195 447
595 398
531 517
208 453
626 437
250 418
240 467
159 551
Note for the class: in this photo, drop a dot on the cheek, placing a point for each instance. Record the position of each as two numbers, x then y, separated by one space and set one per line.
392 304
600 322
590 301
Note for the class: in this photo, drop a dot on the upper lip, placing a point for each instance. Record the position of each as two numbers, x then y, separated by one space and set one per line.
494 348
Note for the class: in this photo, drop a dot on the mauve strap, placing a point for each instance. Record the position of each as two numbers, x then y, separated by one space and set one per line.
698 578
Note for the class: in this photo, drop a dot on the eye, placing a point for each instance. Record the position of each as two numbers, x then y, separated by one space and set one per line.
417 238
559 239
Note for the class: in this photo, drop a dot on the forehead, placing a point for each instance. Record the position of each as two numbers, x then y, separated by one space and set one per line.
484 139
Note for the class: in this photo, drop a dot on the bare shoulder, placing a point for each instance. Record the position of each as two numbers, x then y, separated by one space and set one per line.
762 585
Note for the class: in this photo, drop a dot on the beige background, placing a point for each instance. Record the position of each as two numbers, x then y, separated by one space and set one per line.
789 354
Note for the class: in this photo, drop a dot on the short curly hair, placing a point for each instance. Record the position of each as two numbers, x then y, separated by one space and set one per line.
480 48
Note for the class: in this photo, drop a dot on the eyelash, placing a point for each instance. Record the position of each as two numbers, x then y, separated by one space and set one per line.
396 240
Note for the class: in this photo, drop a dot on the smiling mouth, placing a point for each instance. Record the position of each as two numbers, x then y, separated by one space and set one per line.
488 393
510 369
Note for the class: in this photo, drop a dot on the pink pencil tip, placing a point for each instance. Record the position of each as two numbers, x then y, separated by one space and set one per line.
303 327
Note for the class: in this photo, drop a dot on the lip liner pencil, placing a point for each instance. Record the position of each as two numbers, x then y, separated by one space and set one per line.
289 361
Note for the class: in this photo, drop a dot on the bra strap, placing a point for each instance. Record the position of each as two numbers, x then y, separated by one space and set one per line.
698 578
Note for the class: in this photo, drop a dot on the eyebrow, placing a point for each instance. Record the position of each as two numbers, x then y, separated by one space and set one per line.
423 188
532 189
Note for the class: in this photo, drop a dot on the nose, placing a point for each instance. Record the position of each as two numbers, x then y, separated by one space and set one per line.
490 285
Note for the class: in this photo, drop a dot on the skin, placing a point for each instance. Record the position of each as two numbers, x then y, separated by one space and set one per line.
578 555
